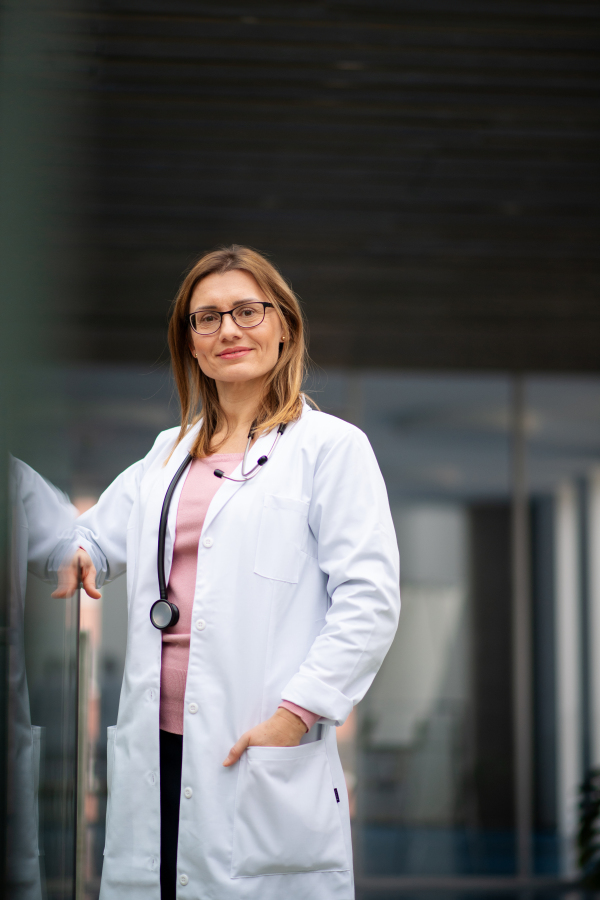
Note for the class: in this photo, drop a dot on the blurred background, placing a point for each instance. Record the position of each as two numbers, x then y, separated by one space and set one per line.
426 175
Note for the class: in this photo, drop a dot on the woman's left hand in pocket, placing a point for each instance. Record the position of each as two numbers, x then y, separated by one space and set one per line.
283 729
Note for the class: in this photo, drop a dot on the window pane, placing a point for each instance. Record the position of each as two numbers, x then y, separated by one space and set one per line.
434 743
563 463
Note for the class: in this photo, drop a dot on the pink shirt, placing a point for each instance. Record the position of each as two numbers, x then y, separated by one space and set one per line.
199 487
198 490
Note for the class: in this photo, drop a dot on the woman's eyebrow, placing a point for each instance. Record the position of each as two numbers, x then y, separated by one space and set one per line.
237 303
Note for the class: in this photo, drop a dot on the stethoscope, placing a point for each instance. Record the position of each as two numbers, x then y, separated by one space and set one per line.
163 613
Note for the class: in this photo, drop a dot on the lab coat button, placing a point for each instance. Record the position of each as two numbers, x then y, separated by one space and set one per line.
200 624
193 707
208 542
183 879
188 792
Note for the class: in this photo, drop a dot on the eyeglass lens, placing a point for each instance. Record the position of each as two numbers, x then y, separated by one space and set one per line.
208 321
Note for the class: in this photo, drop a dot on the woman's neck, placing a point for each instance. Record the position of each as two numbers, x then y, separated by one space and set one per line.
239 403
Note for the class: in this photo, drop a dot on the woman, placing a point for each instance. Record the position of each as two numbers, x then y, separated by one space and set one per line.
224 776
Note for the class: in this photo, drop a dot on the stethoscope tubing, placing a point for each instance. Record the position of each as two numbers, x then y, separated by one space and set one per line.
162 528
164 518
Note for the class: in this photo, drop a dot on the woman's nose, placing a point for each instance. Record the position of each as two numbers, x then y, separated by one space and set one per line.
228 327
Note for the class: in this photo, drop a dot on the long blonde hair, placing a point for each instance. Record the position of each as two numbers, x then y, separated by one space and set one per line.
282 400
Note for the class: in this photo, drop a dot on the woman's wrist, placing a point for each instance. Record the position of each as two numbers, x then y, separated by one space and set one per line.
309 718
292 719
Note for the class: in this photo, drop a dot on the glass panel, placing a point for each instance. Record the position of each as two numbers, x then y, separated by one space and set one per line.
434 746
42 696
116 412
95 421
51 661
39 663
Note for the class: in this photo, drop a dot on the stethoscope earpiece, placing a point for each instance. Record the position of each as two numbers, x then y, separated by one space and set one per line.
246 476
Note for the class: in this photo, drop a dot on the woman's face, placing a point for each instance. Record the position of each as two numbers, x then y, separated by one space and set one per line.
235 354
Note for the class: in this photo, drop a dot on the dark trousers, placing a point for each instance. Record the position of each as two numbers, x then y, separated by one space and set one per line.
171 747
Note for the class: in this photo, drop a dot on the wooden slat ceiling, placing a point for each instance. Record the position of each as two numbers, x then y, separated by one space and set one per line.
425 173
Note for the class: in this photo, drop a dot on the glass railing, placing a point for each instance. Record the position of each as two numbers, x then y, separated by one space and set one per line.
41 699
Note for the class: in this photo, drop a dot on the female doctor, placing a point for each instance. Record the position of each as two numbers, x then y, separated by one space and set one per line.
282 601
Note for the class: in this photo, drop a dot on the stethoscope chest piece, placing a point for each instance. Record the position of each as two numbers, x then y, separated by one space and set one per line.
163 614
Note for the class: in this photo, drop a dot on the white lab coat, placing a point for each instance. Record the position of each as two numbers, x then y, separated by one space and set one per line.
297 597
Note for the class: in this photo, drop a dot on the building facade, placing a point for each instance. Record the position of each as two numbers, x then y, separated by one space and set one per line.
426 177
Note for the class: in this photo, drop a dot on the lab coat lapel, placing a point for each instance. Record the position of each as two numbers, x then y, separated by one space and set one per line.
229 488
169 471
178 456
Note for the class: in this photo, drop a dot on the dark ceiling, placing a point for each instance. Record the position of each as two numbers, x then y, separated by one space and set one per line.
426 173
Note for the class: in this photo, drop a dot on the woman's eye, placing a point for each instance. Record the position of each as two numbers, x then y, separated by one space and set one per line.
208 318
247 312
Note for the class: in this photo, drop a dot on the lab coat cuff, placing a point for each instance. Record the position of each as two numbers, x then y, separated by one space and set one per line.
97 557
331 705
62 553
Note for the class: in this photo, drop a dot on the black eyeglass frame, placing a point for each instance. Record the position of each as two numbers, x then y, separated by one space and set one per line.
230 312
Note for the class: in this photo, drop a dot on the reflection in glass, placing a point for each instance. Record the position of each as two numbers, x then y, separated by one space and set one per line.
42 697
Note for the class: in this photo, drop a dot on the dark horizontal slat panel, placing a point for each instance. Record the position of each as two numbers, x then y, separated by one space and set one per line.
440 159
341 13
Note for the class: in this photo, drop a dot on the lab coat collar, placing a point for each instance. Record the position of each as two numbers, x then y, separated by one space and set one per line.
261 446
228 488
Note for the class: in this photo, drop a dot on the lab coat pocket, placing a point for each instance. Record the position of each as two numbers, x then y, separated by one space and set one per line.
282 538
110 762
286 816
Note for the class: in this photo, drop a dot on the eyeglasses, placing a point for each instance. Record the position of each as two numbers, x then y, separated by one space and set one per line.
246 315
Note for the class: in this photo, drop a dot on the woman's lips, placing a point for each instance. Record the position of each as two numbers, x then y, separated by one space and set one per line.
234 354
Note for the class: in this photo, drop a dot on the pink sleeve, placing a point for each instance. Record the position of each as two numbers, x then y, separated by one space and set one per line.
309 718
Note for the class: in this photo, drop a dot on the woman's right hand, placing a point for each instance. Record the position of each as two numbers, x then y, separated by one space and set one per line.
80 569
